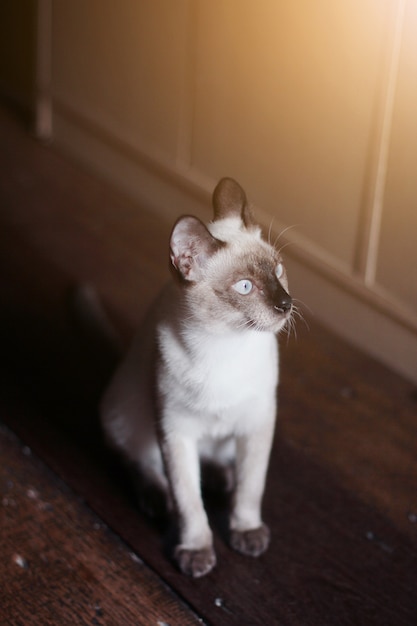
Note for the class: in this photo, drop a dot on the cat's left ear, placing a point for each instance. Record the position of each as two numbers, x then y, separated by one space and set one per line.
229 200
191 246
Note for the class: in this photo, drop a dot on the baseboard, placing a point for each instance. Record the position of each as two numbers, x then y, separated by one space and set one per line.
364 316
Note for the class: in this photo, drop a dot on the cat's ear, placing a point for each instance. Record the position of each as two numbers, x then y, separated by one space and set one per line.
229 200
191 246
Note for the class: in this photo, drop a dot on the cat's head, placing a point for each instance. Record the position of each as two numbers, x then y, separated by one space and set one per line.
232 278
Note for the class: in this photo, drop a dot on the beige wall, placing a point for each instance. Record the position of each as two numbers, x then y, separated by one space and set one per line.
284 100
310 105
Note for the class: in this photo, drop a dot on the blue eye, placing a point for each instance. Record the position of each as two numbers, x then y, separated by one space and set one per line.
279 270
243 287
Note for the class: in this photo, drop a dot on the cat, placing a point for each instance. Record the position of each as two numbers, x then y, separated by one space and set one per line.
199 381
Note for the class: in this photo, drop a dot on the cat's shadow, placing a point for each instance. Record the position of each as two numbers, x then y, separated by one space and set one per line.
151 504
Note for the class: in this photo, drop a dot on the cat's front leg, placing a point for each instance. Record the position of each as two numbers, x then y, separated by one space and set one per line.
248 534
194 553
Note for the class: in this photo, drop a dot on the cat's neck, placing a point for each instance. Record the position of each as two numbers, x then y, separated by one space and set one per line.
195 334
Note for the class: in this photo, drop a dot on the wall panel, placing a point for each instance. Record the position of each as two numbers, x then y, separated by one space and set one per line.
310 105
121 65
284 101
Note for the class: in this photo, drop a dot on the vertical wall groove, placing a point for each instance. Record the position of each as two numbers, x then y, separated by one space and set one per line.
43 116
186 119
368 237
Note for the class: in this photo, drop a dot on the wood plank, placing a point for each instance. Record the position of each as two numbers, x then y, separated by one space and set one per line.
60 563
333 559
354 416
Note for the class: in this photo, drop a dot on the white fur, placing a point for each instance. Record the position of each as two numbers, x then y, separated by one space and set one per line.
224 379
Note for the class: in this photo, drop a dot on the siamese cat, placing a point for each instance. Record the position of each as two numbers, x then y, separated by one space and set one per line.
199 382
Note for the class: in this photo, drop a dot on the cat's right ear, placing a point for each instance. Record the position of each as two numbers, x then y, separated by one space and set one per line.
191 246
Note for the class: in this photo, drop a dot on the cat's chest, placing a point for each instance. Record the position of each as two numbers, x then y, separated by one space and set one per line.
222 371
234 357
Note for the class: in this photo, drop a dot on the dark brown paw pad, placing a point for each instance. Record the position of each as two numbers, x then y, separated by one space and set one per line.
195 563
250 542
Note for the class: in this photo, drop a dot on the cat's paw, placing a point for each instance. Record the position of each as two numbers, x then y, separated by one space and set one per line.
250 542
195 563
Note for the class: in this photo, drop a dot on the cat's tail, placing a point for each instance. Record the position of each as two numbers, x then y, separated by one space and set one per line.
94 321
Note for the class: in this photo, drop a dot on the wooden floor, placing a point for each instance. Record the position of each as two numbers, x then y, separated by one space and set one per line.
341 498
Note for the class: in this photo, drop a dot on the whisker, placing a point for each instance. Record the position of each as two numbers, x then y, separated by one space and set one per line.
304 305
270 231
288 243
247 324
288 328
297 312
292 328
283 233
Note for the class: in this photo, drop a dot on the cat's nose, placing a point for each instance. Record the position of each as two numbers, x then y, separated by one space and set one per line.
285 304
